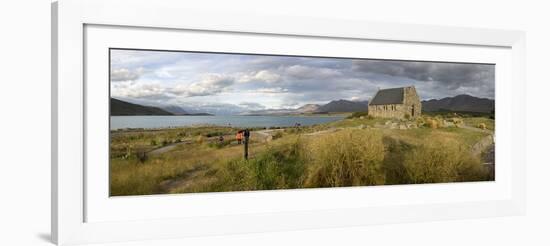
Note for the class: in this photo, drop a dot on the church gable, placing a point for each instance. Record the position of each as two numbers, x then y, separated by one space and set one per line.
388 96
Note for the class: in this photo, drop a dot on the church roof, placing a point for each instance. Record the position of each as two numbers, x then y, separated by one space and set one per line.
388 96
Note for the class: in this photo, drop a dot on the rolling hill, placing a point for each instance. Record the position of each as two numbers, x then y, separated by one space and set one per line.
462 103
119 108
175 110
344 106
308 108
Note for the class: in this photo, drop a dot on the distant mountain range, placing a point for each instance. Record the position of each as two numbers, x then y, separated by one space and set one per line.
122 108
337 106
462 103
175 110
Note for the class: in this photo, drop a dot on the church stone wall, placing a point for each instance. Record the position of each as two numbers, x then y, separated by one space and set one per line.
387 111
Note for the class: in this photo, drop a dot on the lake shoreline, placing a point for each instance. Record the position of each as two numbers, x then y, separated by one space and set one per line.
239 121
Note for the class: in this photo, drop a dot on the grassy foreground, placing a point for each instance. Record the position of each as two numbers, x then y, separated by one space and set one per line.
350 152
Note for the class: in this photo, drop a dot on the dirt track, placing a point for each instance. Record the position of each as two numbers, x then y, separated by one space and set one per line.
260 136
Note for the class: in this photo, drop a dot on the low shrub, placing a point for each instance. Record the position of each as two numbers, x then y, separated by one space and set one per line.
200 139
442 161
277 134
346 158
432 123
358 115
457 121
292 130
219 144
482 126
420 121
141 155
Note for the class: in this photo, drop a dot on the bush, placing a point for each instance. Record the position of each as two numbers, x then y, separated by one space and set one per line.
141 155
277 134
153 142
432 123
457 121
420 121
482 126
441 161
128 152
214 134
292 130
200 139
347 158
358 115
217 144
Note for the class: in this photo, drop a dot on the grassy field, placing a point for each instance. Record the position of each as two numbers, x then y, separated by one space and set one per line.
356 151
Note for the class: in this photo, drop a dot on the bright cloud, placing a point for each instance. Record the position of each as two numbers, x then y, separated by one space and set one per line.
152 91
260 76
209 85
124 74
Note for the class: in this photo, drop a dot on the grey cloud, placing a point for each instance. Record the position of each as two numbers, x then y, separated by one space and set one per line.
187 77
308 72
447 76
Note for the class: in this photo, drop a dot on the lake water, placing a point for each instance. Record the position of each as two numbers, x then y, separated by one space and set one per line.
120 122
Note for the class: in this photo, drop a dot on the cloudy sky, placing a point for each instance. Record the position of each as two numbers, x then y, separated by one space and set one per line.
237 83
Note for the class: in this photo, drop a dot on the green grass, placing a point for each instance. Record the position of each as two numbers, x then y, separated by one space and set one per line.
355 122
359 115
475 121
278 167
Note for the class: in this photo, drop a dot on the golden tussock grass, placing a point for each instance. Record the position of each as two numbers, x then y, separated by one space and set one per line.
346 158
442 160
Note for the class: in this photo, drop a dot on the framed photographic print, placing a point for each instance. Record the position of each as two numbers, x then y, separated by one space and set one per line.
171 124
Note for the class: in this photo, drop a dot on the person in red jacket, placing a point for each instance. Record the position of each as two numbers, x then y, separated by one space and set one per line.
239 137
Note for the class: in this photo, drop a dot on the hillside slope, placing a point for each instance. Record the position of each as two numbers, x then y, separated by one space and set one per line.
344 106
464 103
119 108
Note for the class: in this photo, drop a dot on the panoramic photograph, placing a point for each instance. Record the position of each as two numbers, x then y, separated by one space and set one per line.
192 122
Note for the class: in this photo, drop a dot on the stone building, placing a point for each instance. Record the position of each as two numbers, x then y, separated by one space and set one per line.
395 103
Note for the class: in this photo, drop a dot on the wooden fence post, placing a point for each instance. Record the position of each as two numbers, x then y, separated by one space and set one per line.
246 137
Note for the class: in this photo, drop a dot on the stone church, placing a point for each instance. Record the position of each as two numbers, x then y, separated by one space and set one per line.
395 103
